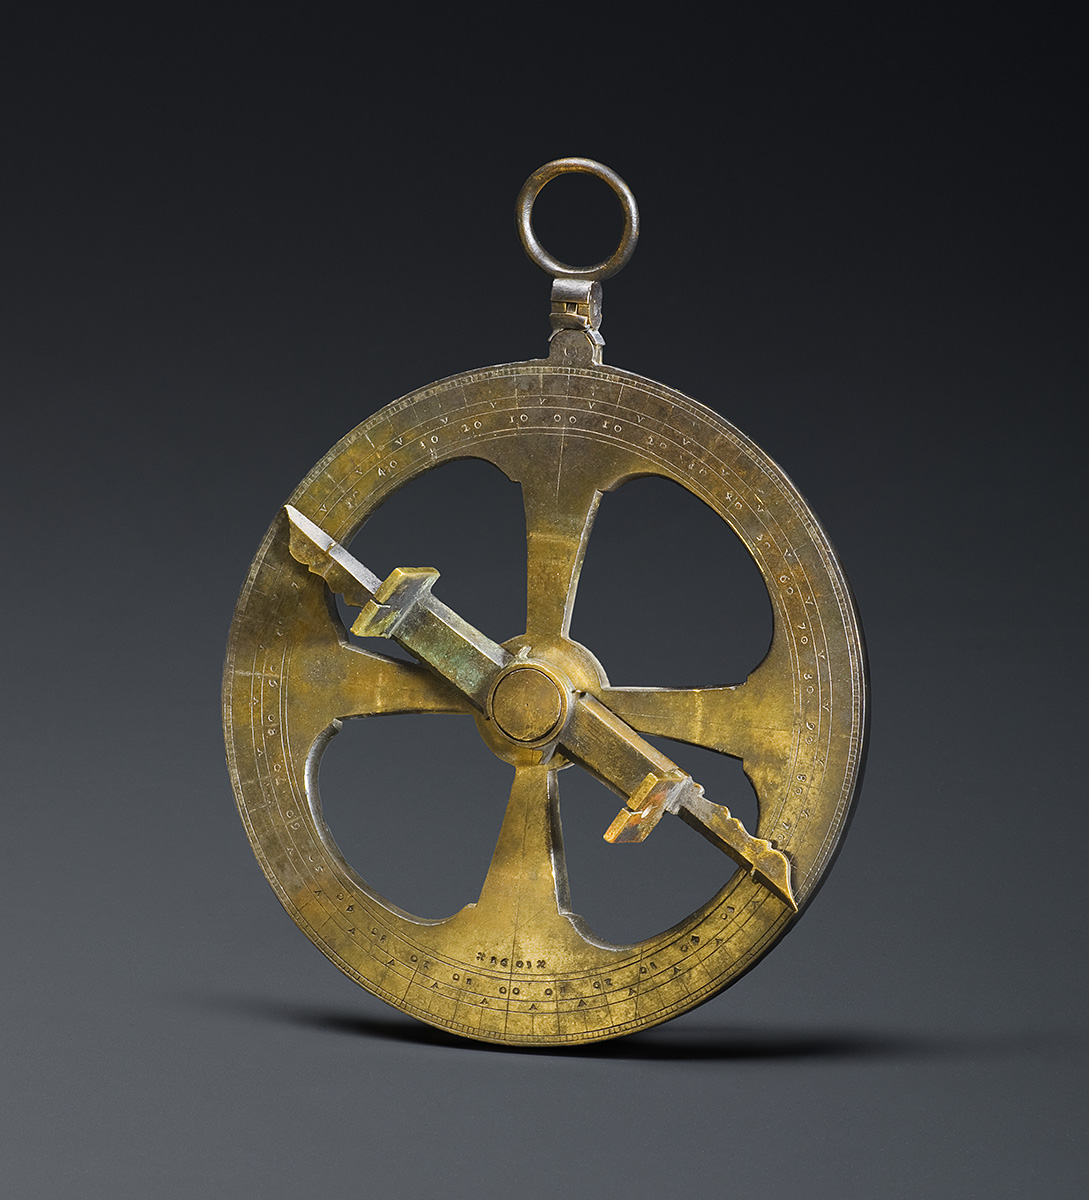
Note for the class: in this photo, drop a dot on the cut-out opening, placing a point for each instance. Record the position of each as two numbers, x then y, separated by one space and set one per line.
669 595
415 803
465 519
630 892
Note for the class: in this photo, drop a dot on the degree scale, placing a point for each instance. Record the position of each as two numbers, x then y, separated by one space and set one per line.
515 964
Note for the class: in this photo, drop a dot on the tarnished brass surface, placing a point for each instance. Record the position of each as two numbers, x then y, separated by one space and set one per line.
517 965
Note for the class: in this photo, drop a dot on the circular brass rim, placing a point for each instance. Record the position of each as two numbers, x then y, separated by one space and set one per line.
540 256
579 988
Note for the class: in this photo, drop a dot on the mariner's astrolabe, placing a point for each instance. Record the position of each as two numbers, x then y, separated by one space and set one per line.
515 964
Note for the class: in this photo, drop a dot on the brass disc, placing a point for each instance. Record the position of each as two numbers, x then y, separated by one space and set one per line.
527 705
566 433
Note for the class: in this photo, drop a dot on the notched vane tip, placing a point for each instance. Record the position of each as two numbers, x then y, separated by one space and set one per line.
304 538
772 867
310 545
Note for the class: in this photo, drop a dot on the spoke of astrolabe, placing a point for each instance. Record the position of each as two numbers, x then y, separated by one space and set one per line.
753 721
526 883
560 507
333 680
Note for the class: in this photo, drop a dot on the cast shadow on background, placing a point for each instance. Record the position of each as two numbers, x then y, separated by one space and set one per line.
682 1041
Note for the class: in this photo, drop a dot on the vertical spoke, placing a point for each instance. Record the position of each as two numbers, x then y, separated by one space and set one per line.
560 508
526 885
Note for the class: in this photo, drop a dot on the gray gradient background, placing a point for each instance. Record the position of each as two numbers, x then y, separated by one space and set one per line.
227 242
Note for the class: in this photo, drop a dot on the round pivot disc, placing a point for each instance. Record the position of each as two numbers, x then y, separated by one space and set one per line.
528 705
515 964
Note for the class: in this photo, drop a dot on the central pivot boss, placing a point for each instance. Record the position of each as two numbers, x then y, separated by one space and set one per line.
530 704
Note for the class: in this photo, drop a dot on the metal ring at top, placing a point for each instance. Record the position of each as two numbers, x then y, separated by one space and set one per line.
537 252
